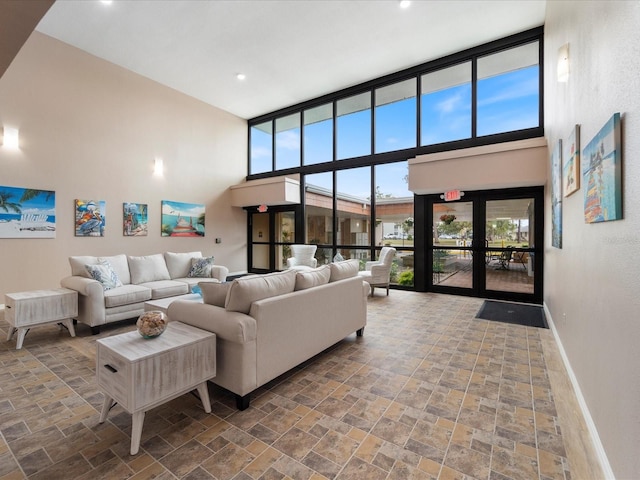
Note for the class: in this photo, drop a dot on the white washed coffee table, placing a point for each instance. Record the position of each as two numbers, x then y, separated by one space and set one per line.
162 304
24 310
141 374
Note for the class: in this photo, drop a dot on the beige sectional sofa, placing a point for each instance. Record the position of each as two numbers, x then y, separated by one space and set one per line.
132 280
267 324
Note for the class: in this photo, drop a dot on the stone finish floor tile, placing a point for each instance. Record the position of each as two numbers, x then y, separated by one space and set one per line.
429 393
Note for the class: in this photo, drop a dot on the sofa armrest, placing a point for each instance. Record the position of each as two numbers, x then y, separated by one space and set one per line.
91 307
232 326
84 286
220 272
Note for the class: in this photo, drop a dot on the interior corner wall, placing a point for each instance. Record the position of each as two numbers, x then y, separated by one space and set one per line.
592 284
91 130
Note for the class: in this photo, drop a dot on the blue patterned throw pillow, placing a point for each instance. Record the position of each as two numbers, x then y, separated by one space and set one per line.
201 267
105 274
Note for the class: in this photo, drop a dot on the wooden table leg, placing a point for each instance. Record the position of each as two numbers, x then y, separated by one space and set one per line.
106 406
136 431
10 332
69 324
21 333
203 390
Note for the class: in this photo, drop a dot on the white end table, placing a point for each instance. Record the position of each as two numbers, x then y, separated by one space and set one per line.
141 374
24 310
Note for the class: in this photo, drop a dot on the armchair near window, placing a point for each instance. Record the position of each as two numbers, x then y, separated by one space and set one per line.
377 274
303 257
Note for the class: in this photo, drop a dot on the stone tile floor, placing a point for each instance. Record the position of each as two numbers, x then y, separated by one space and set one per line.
428 392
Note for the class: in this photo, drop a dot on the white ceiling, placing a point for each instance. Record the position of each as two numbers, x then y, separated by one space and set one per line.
290 51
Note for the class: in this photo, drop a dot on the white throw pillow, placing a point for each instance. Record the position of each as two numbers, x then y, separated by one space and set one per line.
179 264
312 278
344 269
149 268
246 290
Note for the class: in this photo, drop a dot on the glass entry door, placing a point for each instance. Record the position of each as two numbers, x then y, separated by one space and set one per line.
271 234
487 244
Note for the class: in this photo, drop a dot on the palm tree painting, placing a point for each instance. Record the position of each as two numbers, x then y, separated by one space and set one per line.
27 213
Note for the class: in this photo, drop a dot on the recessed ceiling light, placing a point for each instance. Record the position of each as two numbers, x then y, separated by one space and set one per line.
106 2
405 4
241 76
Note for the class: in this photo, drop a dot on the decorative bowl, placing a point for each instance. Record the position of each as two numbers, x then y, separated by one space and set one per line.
151 324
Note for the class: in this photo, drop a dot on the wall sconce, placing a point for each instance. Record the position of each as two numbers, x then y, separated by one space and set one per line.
158 167
563 63
11 138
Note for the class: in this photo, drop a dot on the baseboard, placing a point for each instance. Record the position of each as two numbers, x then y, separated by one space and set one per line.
591 426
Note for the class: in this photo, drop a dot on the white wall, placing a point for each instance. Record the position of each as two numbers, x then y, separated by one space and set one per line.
592 283
91 130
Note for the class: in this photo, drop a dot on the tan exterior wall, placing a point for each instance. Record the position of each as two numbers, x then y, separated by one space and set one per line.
91 130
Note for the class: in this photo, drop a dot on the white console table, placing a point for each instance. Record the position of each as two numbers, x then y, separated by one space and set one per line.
141 374
24 310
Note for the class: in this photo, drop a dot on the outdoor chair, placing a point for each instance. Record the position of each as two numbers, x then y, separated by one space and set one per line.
377 274
505 258
303 257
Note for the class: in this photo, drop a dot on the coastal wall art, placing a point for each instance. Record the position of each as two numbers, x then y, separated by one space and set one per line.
135 219
602 174
571 163
90 218
182 219
27 213
556 195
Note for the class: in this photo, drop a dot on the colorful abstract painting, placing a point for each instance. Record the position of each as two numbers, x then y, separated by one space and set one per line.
134 219
90 218
556 196
182 219
27 213
602 174
571 163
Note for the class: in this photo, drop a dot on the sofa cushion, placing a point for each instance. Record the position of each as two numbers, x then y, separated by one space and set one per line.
200 267
192 282
166 288
246 290
179 264
148 268
214 293
126 295
120 265
105 274
78 265
312 278
344 269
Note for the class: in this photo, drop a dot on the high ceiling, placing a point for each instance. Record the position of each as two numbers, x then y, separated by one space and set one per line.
290 51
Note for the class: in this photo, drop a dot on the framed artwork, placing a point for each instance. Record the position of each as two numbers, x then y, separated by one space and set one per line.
90 218
556 196
27 213
182 219
134 219
602 174
571 163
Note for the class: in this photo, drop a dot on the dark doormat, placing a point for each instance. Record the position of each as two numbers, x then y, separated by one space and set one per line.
517 313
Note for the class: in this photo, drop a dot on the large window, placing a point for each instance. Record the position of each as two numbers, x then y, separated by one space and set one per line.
318 134
491 90
354 126
354 206
395 120
261 159
446 105
288 142
509 90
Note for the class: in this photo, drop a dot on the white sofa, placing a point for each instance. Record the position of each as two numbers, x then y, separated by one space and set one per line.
138 279
267 324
